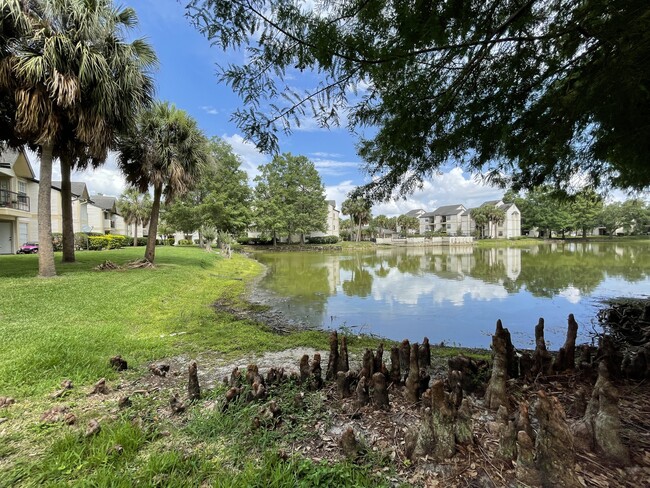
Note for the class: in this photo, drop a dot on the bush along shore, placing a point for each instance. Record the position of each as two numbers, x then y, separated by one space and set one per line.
237 404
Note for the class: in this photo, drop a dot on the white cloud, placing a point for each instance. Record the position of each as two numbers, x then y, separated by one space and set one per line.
106 179
251 156
339 192
446 188
209 109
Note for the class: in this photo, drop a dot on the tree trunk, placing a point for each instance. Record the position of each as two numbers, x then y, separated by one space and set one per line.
150 252
275 239
66 208
359 231
46 267
135 233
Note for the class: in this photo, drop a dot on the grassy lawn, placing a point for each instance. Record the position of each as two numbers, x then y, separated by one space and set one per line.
68 327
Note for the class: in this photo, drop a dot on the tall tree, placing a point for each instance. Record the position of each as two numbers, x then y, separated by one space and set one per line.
585 209
165 150
76 82
359 210
408 223
221 197
539 90
135 208
289 197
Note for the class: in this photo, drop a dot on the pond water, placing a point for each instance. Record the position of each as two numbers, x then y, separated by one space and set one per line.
456 294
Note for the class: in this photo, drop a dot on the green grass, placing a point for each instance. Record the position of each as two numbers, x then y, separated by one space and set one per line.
69 326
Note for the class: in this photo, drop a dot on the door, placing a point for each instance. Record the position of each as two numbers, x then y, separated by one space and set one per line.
5 238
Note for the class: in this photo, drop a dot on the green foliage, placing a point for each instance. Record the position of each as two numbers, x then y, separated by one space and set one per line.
486 217
165 150
108 241
408 224
57 241
509 88
135 208
221 198
289 197
323 240
359 210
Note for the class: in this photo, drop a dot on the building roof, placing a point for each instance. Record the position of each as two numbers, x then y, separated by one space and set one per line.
449 210
490 202
78 188
10 158
332 203
415 213
7 157
104 202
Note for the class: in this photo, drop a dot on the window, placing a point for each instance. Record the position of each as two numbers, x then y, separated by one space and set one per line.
22 187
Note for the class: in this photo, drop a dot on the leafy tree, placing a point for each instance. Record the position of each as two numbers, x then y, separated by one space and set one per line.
487 216
634 213
228 198
540 91
135 208
75 83
209 234
382 222
221 197
166 150
585 209
289 197
611 218
358 209
346 228
408 223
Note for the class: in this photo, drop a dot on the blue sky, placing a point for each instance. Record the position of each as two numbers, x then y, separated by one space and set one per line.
187 77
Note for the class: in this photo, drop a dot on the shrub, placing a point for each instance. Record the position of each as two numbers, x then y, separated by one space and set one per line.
244 240
184 242
80 240
324 240
108 241
170 241
57 241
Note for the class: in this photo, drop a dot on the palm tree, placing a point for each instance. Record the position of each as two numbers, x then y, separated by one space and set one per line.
359 210
135 208
166 150
75 83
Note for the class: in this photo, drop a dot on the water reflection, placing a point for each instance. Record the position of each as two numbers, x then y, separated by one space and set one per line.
455 294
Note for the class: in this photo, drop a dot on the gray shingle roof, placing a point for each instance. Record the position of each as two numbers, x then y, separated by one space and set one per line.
449 210
415 213
77 187
102 201
7 157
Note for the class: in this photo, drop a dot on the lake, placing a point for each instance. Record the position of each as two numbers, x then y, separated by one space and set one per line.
455 294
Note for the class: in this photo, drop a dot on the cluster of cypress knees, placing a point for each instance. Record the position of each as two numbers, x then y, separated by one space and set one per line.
545 456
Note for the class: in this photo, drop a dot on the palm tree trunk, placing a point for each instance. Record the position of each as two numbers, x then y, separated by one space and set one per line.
150 252
66 208
359 231
46 267
135 233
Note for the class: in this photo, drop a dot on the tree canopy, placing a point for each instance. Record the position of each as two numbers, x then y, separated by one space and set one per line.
69 82
220 199
289 197
522 90
167 151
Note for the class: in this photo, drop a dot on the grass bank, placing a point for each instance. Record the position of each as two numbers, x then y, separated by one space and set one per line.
69 326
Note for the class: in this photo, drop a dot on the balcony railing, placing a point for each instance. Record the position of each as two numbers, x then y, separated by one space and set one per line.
11 199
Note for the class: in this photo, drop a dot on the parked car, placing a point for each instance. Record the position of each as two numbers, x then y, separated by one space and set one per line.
28 248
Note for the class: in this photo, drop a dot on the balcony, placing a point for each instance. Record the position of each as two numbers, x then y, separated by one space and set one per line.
13 200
